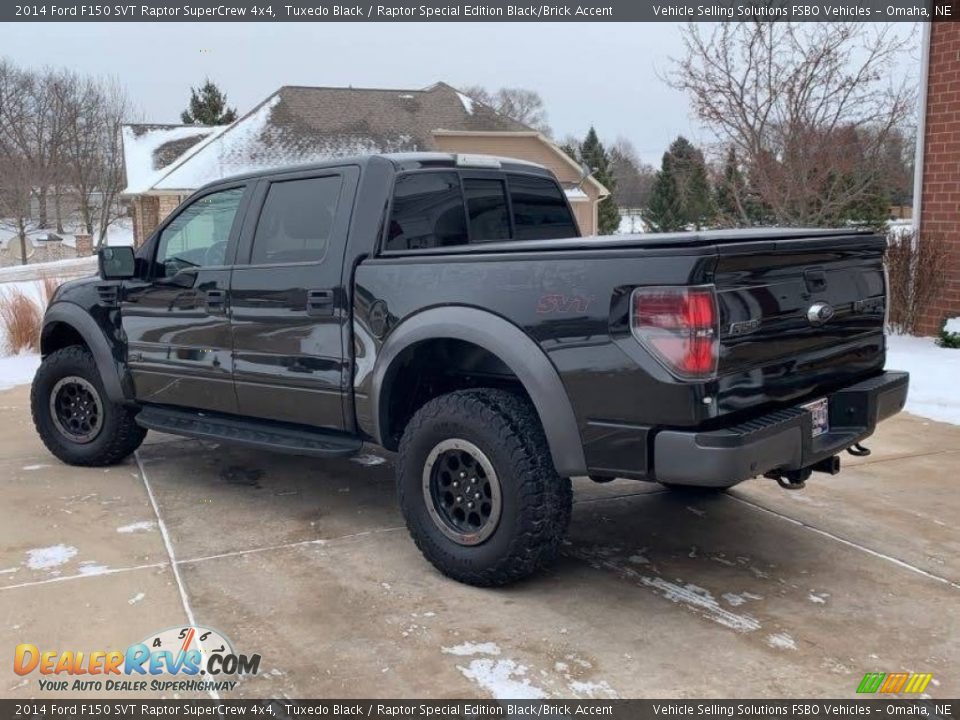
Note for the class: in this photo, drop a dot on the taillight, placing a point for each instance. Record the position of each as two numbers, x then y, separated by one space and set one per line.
678 325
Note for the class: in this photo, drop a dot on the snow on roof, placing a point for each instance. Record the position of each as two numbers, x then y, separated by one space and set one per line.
467 102
299 125
575 194
148 149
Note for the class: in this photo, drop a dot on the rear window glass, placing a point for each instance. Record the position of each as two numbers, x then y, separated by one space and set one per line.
296 221
539 209
487 209
427 212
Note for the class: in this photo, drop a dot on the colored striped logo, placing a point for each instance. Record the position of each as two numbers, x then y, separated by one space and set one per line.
892 683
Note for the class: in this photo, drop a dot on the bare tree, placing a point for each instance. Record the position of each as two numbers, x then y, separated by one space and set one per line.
90 149
20 174
634 179
520 104
808 108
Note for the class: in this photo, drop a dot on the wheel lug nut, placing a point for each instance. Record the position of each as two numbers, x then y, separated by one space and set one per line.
459 498
463 475
476 496
470 505
473 481
456 484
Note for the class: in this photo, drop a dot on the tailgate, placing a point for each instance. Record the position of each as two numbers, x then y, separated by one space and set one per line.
798 317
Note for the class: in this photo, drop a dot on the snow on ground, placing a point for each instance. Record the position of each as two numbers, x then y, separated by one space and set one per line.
18 369
934 375
631 223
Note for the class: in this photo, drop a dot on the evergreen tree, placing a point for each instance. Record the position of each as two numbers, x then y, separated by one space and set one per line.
595 156
681 195
731 191
208 106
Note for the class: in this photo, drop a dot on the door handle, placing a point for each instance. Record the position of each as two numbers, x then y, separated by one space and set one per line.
215 300
319 302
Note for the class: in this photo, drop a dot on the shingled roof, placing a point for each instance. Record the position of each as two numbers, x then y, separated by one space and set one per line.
299 125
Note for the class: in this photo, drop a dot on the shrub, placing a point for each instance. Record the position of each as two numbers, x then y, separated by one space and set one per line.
950 334
20 321
917 269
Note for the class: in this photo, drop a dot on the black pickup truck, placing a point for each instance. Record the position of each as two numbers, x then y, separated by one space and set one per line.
445 307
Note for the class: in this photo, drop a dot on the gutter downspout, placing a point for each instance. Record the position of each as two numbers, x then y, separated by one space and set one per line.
921 126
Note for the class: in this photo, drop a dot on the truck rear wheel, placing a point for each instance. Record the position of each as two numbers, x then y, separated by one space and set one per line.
478 489
73 415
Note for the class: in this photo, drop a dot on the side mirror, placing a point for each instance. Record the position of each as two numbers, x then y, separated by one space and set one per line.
116 263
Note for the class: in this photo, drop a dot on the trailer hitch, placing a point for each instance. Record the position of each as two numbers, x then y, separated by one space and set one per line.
858 450
797 479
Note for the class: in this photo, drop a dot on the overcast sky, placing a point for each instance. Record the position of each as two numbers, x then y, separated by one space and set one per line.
606 74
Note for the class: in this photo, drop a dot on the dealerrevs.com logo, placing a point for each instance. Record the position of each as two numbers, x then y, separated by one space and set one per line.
180 659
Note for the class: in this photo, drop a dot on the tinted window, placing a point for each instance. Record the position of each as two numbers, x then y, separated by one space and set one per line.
296 221
539 209
427 212
198 235
487 208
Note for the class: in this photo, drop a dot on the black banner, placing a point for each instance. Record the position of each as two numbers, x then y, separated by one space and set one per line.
479 10
476 709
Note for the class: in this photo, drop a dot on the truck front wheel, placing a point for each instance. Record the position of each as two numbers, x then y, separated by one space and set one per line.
478 489
73 415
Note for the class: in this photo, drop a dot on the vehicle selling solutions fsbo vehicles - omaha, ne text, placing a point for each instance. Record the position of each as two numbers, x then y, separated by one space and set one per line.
446 308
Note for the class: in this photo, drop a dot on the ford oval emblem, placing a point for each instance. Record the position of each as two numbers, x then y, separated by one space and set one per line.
819 313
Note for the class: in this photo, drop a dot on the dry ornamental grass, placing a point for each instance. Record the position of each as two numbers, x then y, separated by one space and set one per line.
20 320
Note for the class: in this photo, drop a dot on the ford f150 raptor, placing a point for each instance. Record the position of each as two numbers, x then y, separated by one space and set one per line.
446 307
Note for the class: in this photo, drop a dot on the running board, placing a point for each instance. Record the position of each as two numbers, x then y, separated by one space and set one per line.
261 434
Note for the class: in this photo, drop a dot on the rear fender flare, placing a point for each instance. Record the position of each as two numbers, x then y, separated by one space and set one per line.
516 349
95 339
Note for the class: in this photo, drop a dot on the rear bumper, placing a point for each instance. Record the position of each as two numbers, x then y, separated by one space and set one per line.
780 440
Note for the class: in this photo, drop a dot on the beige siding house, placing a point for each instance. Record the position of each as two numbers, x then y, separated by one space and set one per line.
295 125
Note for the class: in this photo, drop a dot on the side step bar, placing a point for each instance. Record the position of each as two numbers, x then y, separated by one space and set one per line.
260 434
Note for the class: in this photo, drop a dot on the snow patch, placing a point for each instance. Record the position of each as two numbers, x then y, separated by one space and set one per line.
136 598
18 369
39 466
504 679
468 648
934 390
781 641
818 598
50 557
593 690
952 326
91 567
142 526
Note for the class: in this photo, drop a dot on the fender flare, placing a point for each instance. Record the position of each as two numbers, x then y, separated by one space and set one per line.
517 350
75 317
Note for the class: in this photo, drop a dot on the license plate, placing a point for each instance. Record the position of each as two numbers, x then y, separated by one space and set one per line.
820 413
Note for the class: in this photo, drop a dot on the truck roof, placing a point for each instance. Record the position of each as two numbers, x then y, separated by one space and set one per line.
402 162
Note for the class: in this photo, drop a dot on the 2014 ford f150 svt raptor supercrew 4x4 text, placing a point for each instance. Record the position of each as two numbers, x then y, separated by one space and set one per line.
445 307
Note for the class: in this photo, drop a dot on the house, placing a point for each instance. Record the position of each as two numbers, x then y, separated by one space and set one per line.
294 125
936 210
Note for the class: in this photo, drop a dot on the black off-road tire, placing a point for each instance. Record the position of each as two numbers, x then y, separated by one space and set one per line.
536 501
118 435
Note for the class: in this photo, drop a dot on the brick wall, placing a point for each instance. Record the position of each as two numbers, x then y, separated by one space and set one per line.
940 207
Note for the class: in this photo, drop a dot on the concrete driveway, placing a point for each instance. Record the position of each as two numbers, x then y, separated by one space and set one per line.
757 593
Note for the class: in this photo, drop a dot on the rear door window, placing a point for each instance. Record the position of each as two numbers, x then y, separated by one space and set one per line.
427 212
540 210
296 221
